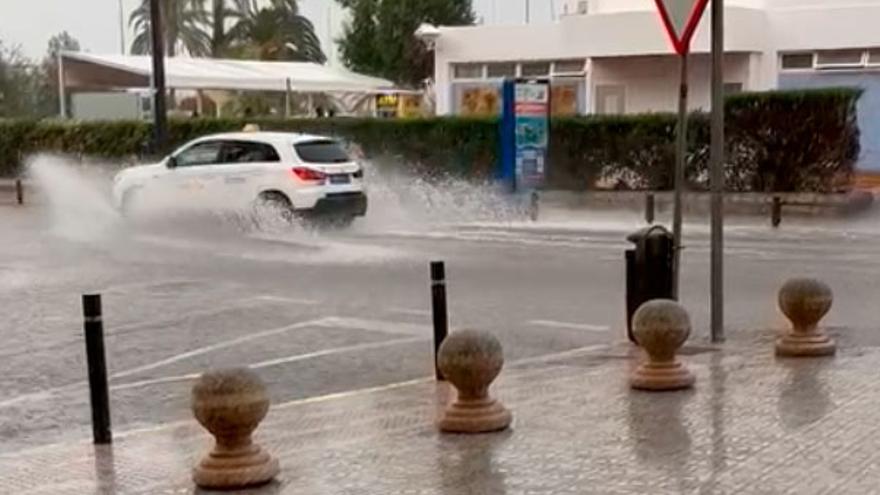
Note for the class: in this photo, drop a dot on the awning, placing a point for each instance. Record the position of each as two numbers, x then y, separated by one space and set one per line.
86 71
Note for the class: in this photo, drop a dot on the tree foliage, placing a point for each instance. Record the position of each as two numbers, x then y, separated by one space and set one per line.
276 32
17 77
222 13
29 89
184 23
380 37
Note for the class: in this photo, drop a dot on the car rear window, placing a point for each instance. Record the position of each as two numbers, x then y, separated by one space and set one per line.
324 151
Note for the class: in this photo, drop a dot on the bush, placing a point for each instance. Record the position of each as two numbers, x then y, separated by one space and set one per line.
776 141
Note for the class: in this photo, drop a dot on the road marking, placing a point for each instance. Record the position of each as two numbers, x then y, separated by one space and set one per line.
151 284
213 347
570 326
374 325
411 312
275 362
380 388
231 306
559 355
286 300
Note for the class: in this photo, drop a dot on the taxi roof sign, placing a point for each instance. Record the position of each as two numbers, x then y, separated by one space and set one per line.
680 19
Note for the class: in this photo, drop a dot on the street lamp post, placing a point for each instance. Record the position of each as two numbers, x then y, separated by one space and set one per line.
717 172
160 116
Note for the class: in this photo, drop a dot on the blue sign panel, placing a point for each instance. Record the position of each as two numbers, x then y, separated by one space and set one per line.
525 133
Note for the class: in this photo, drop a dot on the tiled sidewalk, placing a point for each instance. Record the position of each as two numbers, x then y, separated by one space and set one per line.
754 424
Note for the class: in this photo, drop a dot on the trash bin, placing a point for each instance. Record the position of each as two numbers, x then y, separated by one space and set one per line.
649 269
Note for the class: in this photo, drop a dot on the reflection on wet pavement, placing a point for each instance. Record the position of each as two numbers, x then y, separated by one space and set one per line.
753 424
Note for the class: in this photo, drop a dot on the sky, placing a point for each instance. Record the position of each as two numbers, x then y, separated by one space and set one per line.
95 23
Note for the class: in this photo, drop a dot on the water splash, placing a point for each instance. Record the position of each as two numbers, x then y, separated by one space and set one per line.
78 197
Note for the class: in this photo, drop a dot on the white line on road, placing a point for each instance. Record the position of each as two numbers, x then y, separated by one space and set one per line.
286 300
559 355
340 395
213 347
45 394
570 326
381 388
374 325
275 362
411 312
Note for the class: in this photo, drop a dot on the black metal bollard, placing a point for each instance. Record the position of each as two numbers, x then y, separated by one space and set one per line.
93 326
776 212
438 306
19 192
649 208
534 206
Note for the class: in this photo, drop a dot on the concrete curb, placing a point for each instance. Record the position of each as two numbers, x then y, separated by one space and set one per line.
804 204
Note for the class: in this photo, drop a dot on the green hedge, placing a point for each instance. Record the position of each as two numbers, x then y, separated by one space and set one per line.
777 141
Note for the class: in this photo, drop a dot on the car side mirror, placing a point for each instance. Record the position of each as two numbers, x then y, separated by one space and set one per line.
171 162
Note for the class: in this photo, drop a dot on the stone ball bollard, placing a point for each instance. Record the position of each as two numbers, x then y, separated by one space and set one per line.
470 360
661 327
230 404
805 301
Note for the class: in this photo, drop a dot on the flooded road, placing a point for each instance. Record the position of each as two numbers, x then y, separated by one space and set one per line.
320 312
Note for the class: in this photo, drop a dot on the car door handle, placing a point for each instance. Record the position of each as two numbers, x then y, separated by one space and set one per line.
235 180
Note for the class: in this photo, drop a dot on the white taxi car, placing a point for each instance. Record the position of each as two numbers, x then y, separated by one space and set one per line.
309 176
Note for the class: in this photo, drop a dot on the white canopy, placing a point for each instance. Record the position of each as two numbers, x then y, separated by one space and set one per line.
86 70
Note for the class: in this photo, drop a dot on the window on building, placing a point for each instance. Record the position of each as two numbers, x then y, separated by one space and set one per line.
534 69
797 61
874 56
476 99
467 71
501 69
567 96
569 67
610 99
733 88
583 6
840 58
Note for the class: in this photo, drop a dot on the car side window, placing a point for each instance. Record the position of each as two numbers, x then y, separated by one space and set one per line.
205 153
249 152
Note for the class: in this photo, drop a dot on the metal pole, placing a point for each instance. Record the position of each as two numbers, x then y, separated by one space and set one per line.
776 212
160 117
650 208
534 206
717 172
100 397
680 158
19 192
528 12
287 99
121 28
438 306
62 92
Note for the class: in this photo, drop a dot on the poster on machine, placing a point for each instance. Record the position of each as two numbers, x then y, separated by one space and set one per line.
531 111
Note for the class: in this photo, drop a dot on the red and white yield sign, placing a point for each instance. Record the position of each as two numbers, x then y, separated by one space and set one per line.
680 18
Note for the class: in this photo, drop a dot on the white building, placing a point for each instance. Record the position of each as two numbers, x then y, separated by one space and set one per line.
613 56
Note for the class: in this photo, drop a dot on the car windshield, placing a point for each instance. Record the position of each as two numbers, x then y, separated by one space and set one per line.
323 151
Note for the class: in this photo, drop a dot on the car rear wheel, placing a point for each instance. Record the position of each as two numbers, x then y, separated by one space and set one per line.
273 205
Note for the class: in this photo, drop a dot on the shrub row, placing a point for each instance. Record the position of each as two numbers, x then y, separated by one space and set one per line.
776 141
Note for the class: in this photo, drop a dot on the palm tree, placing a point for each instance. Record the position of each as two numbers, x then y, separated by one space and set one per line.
221 12
276 32
183 22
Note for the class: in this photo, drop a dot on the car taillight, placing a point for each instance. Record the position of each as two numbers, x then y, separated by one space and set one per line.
308 174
